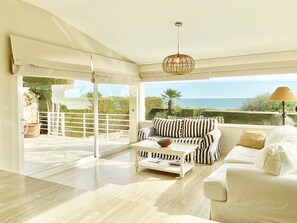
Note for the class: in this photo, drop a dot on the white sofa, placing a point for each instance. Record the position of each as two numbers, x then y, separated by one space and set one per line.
241 192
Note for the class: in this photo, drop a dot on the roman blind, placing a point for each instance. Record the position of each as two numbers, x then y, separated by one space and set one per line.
35 58
256 64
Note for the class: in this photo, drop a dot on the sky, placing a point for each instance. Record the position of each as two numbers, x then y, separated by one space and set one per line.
83 87
235 87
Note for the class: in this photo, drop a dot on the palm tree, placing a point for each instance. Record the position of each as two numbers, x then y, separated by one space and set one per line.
168 95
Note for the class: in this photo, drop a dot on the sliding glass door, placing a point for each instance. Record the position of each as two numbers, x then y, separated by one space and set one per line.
60 121
62 127
113 117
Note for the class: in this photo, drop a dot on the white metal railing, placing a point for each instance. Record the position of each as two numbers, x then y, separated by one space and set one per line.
82 124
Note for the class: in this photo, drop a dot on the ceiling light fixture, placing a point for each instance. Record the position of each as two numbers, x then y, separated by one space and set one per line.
178 63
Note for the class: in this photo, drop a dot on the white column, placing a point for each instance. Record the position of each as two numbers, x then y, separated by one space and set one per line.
133 113
141 102
19 152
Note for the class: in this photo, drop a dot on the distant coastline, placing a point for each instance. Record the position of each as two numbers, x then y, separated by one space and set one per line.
209 103
215 103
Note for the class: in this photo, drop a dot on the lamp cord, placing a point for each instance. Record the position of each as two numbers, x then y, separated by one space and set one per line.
177 39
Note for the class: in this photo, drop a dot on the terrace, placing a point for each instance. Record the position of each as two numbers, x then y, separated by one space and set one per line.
69 137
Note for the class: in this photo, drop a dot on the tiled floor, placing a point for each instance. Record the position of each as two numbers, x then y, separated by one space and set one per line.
46 152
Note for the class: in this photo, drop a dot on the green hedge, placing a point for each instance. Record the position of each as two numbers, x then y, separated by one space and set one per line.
249 117
233 117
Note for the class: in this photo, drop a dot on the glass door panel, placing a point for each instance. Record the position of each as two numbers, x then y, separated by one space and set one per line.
60 122
114 117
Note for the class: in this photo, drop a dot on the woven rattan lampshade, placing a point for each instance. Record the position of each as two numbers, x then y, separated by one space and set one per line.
178 63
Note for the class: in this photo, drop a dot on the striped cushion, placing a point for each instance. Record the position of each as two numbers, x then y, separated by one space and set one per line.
168 128
197 128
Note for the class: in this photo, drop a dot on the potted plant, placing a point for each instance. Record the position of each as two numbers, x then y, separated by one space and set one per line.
30 110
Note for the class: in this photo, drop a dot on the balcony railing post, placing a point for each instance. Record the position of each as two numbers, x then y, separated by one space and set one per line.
84 125
78 124
48 123
63 124
38 118
107 127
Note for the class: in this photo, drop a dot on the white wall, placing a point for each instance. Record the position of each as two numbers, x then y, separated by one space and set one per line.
19 18
230 133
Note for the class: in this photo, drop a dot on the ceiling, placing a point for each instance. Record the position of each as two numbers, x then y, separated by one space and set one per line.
143 31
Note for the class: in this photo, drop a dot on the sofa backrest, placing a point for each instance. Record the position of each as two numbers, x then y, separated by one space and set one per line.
198 127
177 128
220 119
168 128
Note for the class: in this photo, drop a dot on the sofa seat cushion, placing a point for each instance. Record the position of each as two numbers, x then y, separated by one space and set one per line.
189 140
241 154
214 186
156 138
186 140
201 143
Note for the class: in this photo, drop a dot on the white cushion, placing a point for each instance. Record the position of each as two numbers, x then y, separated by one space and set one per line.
241 154
282 133
278 158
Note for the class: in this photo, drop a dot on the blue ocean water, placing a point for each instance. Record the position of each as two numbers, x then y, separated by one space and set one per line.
215 103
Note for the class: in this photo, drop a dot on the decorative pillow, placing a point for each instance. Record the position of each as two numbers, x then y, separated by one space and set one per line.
198 128
277 158
168 128
252 139
283 133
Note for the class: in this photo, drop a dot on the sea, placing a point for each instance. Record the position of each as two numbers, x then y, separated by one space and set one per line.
210 103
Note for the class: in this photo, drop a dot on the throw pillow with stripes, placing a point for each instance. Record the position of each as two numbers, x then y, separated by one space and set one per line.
198 128
168 128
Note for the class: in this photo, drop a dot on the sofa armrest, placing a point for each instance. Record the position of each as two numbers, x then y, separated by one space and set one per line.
256 189
146 132
211 140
